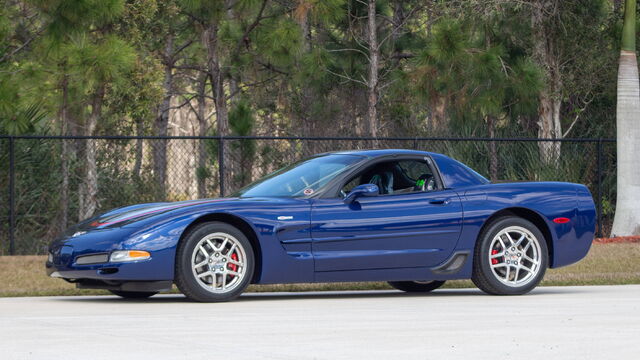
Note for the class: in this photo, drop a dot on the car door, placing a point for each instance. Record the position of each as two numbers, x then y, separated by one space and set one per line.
397 230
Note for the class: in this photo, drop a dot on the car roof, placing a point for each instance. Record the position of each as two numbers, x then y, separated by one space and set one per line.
382 152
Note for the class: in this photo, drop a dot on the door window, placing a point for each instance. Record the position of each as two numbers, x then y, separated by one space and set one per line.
395 177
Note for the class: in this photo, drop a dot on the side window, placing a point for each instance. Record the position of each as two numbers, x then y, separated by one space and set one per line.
414 169
395 177
418 174
351 184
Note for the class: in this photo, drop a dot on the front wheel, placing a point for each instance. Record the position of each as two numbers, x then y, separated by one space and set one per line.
214 262
510 257
416 286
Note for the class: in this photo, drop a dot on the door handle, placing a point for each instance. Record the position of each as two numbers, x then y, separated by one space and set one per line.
439 201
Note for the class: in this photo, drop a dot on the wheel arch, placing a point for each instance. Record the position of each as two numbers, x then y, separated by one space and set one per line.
526 214
242 225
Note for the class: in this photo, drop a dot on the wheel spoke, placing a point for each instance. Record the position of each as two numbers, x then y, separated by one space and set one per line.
205 274
520 240
510 239
204 251
526 257
234 262
223 245
203 262
501 242
212 245
527 269
497 255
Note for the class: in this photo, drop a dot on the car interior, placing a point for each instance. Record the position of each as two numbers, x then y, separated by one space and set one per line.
395 177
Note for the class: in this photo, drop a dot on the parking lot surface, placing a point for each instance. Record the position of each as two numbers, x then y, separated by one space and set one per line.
590 322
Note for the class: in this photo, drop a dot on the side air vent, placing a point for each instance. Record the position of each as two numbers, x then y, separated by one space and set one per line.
455 263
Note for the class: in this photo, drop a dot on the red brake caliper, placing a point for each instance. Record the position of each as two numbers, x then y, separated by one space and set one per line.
233 267
493 252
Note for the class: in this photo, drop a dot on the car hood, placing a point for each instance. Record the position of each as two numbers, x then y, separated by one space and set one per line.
124 216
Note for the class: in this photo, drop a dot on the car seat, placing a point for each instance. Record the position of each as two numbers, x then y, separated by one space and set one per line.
384 181
425 182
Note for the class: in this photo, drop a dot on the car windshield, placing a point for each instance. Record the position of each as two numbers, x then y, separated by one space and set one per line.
303 178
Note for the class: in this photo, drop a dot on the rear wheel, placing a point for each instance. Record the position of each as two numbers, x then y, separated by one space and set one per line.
133 294
416 286
510 257
214 262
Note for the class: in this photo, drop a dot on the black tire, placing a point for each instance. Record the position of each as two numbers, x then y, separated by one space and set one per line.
133 294
416 286
495 281
185 279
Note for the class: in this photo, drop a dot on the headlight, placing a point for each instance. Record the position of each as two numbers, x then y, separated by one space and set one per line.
129 255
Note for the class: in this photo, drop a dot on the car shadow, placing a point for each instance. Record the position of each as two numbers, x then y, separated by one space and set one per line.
315 295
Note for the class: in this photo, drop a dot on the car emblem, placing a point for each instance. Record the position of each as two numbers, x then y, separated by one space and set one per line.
285 217
308 191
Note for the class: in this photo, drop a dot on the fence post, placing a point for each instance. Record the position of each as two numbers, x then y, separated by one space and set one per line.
12 194
221 164
599 191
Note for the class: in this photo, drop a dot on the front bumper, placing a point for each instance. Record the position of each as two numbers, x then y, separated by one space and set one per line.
133 276
63 256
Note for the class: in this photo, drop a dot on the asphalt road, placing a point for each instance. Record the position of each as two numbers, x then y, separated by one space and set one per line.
588 322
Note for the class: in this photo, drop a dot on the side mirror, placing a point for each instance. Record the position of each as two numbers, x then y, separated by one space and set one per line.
361 190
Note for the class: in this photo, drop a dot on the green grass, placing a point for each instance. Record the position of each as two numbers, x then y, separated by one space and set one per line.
606 264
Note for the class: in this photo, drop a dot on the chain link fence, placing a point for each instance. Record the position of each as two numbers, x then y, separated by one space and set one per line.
44 185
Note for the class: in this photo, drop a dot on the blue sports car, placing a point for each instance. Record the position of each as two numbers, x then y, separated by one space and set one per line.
412 218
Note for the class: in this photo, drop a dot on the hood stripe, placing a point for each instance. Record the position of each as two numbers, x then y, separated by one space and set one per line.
98 224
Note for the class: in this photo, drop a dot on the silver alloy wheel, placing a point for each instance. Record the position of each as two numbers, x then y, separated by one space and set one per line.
515 256
219 262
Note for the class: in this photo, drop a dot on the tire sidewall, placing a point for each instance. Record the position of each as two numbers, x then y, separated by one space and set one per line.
186 281
482 250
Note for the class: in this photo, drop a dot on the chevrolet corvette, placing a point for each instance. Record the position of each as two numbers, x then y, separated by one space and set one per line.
414 219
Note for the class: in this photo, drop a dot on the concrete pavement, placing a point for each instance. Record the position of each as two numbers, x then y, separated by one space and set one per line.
601 322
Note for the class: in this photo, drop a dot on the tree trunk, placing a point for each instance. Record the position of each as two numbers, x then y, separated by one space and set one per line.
374 55
544 53
234 88
439 123
549 128
399 17
627 217
493 149
202 131
137 165
65 154
216 76
90 184
306 120
161 123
